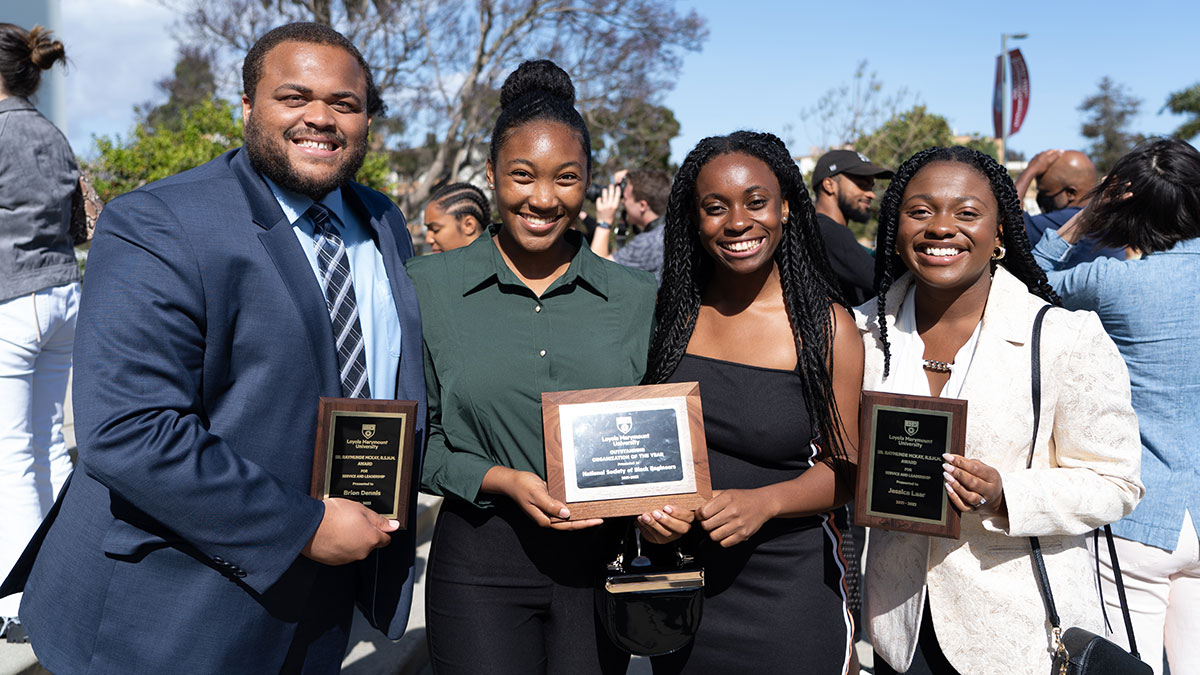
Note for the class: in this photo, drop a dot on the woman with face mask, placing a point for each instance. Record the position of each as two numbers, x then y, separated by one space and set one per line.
958 292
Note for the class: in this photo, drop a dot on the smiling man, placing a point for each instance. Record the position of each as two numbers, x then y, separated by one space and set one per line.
221 303
843 189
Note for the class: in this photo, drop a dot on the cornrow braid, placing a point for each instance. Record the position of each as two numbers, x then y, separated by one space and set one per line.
463 199
1018 258
807 280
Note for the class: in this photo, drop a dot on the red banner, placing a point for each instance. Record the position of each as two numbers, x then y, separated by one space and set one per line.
1020 90
997 94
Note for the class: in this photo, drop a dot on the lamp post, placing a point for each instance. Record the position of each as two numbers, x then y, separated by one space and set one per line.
1006 92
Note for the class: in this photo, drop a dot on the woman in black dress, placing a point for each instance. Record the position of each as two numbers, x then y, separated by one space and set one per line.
750 309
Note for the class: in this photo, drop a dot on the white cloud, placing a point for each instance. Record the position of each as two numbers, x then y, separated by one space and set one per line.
118 50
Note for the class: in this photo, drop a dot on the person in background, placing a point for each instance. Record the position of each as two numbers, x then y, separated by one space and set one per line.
958 292
843 188
1149 202
642 194
748 310
39 297
528 308
1065 179
456 214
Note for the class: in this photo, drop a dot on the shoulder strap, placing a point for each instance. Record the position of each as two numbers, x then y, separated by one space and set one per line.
1039 562
1035 362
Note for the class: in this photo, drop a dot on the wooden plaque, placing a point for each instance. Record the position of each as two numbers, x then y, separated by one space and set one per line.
900 483
625 451
364 453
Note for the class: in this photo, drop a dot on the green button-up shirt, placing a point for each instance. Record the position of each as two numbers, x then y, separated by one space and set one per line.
492 347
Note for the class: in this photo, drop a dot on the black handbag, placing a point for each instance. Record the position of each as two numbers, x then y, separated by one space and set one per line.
1078 651
650 607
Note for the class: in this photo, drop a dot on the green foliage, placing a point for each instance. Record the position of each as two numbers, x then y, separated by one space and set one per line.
633 134
199 134
375 173
1109 113
191 84
904 134
1186 102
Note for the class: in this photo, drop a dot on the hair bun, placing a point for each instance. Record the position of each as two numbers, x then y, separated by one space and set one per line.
532 76
44 50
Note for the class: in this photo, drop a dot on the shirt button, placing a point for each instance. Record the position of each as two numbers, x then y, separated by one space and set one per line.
538 308
542 353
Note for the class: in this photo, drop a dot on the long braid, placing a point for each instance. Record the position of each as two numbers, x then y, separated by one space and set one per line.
463 199
1018 258
807 280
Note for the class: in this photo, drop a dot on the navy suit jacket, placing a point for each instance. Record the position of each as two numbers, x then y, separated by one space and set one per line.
203 343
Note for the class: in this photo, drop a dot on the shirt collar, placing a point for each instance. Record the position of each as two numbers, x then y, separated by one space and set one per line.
1185 246
482 263
16 103
294 204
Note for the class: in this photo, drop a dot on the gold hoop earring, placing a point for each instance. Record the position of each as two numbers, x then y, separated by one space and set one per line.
998 253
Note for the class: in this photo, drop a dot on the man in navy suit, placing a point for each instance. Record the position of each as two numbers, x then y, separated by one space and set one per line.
213 318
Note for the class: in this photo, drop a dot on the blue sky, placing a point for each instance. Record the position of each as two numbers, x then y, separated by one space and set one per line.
766 61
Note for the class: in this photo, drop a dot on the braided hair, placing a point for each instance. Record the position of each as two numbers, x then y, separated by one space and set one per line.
809 286
1018 258
537 91
461 200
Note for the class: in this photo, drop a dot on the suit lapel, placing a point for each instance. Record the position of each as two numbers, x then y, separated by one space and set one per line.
284 250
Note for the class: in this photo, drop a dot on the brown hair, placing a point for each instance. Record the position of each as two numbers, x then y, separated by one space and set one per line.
24 55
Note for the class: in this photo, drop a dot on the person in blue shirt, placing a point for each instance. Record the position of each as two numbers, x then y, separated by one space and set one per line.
1150 202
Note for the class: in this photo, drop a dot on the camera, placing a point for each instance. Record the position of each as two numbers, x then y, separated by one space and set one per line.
597 187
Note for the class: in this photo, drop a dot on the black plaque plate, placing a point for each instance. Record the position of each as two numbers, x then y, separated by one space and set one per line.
626 450
364 453
900 483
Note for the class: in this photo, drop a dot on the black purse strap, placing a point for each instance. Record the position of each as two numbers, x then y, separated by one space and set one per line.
1039 562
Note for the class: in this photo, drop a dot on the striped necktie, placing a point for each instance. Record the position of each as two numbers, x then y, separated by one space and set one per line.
334 268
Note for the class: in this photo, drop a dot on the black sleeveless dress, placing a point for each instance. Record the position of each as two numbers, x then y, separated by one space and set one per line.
777 602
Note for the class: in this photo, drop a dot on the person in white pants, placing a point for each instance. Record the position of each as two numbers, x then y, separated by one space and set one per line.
37 332
40 200
1163 588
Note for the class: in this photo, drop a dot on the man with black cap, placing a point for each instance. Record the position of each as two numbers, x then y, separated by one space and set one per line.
843 188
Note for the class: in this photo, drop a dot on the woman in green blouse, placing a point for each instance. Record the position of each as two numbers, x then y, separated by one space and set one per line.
525 310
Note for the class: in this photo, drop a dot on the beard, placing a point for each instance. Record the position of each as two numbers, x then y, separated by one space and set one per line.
852 210
269 157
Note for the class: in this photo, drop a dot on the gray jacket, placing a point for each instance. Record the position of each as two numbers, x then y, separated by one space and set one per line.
38 176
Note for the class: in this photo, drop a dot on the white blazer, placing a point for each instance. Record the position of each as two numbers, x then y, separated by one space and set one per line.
987 611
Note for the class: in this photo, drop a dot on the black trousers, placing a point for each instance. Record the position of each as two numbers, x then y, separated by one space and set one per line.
929 659
506 596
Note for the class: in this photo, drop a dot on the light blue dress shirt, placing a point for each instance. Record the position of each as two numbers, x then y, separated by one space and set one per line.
372 291
1149 309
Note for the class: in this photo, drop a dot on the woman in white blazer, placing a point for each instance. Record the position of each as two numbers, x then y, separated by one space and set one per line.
957 294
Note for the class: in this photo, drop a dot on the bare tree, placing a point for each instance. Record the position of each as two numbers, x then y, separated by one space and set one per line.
440 63
851 111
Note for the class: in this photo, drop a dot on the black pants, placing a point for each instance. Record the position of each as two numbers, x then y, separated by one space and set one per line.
506 596
929 658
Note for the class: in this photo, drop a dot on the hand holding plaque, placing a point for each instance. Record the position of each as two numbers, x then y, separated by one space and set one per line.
625 451
364 453
900 483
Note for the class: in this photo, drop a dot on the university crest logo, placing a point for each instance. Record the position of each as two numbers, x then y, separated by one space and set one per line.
624 424
368 430
910 427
